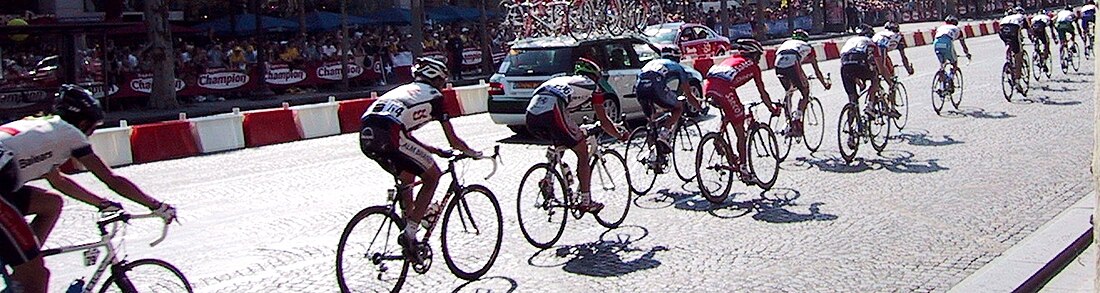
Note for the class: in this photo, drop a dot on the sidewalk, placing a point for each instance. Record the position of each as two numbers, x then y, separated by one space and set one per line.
1078 276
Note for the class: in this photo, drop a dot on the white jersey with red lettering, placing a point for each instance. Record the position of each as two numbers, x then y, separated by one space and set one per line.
41 144
412 105
888 40
573 91
784 59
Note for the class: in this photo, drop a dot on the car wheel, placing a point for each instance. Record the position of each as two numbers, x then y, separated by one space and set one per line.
613 110
698 91
519 129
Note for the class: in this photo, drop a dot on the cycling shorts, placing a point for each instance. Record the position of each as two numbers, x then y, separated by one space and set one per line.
555 126
652 90
384 140
1010 34
789 77
945 50
721 92
850 74
1063 28
18 244
1086 19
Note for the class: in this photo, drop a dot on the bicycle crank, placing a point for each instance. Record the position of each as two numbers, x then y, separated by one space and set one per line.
424 255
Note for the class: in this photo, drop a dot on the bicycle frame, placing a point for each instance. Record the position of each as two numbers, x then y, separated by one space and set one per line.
111 260
452 189
554 158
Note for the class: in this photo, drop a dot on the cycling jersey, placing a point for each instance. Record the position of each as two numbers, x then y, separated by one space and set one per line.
1088 10
948 32
659 84
722 81
548 113
1040 21
944 45
411 105
1014 19
857 49
793 52
888 40
41 144
1065 16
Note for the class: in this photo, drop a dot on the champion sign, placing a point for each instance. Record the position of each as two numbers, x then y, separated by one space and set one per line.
332 71
223 80
471 57
285 76
145 85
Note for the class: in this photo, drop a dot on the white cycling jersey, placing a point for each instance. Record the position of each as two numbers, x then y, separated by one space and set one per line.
1015 19
857 44
1040 18
412 105
1065 16
949 31
574 90
41 144
802 49
1088 9
888 39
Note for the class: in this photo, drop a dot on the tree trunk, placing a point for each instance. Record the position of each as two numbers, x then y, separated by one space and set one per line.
302 17
416 44
486 47
818 16
162 56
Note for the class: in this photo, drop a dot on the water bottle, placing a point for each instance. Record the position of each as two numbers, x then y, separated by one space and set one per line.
568 174
76 287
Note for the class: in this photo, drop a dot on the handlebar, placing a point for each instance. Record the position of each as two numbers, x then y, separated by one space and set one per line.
125 218
461 156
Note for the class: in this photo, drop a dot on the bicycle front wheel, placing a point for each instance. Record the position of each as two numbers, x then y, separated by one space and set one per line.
901 103
1007 83
940 89
879 125
848 132
642 159
369 259
146 275
763 157
684 142
782 125
714 162
541 206
472 231
609 187
957 96
1037 66
813 124
1075 59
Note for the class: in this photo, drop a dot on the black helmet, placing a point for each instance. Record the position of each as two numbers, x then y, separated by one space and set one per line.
891 26
671 53
76 104
951 19
429 68
865 30
750 46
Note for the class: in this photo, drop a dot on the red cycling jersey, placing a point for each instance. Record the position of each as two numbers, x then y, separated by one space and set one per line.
723 80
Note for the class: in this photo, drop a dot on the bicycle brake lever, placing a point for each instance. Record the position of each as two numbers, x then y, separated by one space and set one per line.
494 158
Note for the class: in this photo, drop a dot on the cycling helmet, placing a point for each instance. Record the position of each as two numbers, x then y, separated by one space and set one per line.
891 26
76 104
671 53
750 46
429 68
800 35
950 19
586 67
865 30
1018 9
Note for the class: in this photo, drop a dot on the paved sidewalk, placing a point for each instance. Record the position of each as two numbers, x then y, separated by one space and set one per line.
1078 276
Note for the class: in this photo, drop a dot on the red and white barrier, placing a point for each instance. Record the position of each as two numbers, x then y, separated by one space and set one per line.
163 141
266 127
349 111
113 145
318 120
473 99
219 132
831 50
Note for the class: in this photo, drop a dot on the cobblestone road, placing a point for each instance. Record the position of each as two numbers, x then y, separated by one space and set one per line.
949 194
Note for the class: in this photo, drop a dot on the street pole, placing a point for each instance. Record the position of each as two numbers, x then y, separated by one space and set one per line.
417 42
261 52
725 17
344 45
486 48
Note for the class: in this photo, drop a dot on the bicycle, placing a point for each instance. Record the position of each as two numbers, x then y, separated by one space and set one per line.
546 196
948 84
143 275
1010 85
873 125
1042 64
1069 57
1088 41
717 166
899 96
646 159
381 250
813 122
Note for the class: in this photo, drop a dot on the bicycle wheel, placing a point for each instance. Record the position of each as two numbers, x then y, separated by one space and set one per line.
615 16
1025 75
1075 58
901 103
684 142
1037 66
714 162
848 133
541 205
957 96
762 156
366 260
782 125
1064 60
879 127
1007 84
477 232
940 89
146 275
641 158
1049 66
813 124
609 187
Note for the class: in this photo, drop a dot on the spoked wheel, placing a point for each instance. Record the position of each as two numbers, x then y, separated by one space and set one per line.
1049 66
473 228
813 124
762 156
848 132
1075 59
880 126
1037 66
641 157
684 142
146 275
714 162
1064 60
781 125
1007 83
1025 75
940 91
541 206
957 96
609 187
368 258
901 103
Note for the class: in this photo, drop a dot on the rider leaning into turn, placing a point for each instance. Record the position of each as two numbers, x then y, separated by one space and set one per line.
887 40
384 137
548 118
1087 14
721 85
34 148
944 42
1064 22
1040 23
858 59
1012 25
660 83
788 68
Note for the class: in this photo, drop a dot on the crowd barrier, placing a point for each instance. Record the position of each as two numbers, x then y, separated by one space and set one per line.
318 120
348 113
272 126
112 145
221 132
162 141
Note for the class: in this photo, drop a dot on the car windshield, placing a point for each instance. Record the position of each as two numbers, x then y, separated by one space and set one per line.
661 35
539 61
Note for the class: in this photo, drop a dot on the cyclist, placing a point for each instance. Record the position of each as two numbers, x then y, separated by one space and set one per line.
1040 23
1011 26
887 40
1064 23
857 59
659 83
548 118
1087 14
944 45
384 137
36 146
788 68
721 85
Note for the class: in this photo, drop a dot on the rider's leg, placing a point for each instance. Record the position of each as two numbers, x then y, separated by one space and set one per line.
46 206
430 180
32 275
742 145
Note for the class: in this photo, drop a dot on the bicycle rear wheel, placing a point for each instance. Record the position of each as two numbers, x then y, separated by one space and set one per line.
782 125
641 158
1007 83
146 275
848 133
1075 59
684 142
763 157
957 96
610 188
1037 66
1025 75
813 124
472 223
879 125
370 259
940 90
541 205
714 162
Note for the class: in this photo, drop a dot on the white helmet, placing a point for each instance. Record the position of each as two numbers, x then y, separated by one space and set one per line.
429 68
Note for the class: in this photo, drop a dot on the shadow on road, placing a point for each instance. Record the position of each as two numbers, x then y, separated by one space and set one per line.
1047 100
896 161
615 254
974 112
488 284
920 137
773 206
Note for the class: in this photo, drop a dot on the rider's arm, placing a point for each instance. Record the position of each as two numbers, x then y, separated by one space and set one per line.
116 182
68 187
605 121
965 49
685 87
817 72
452 138
764 96
905 60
